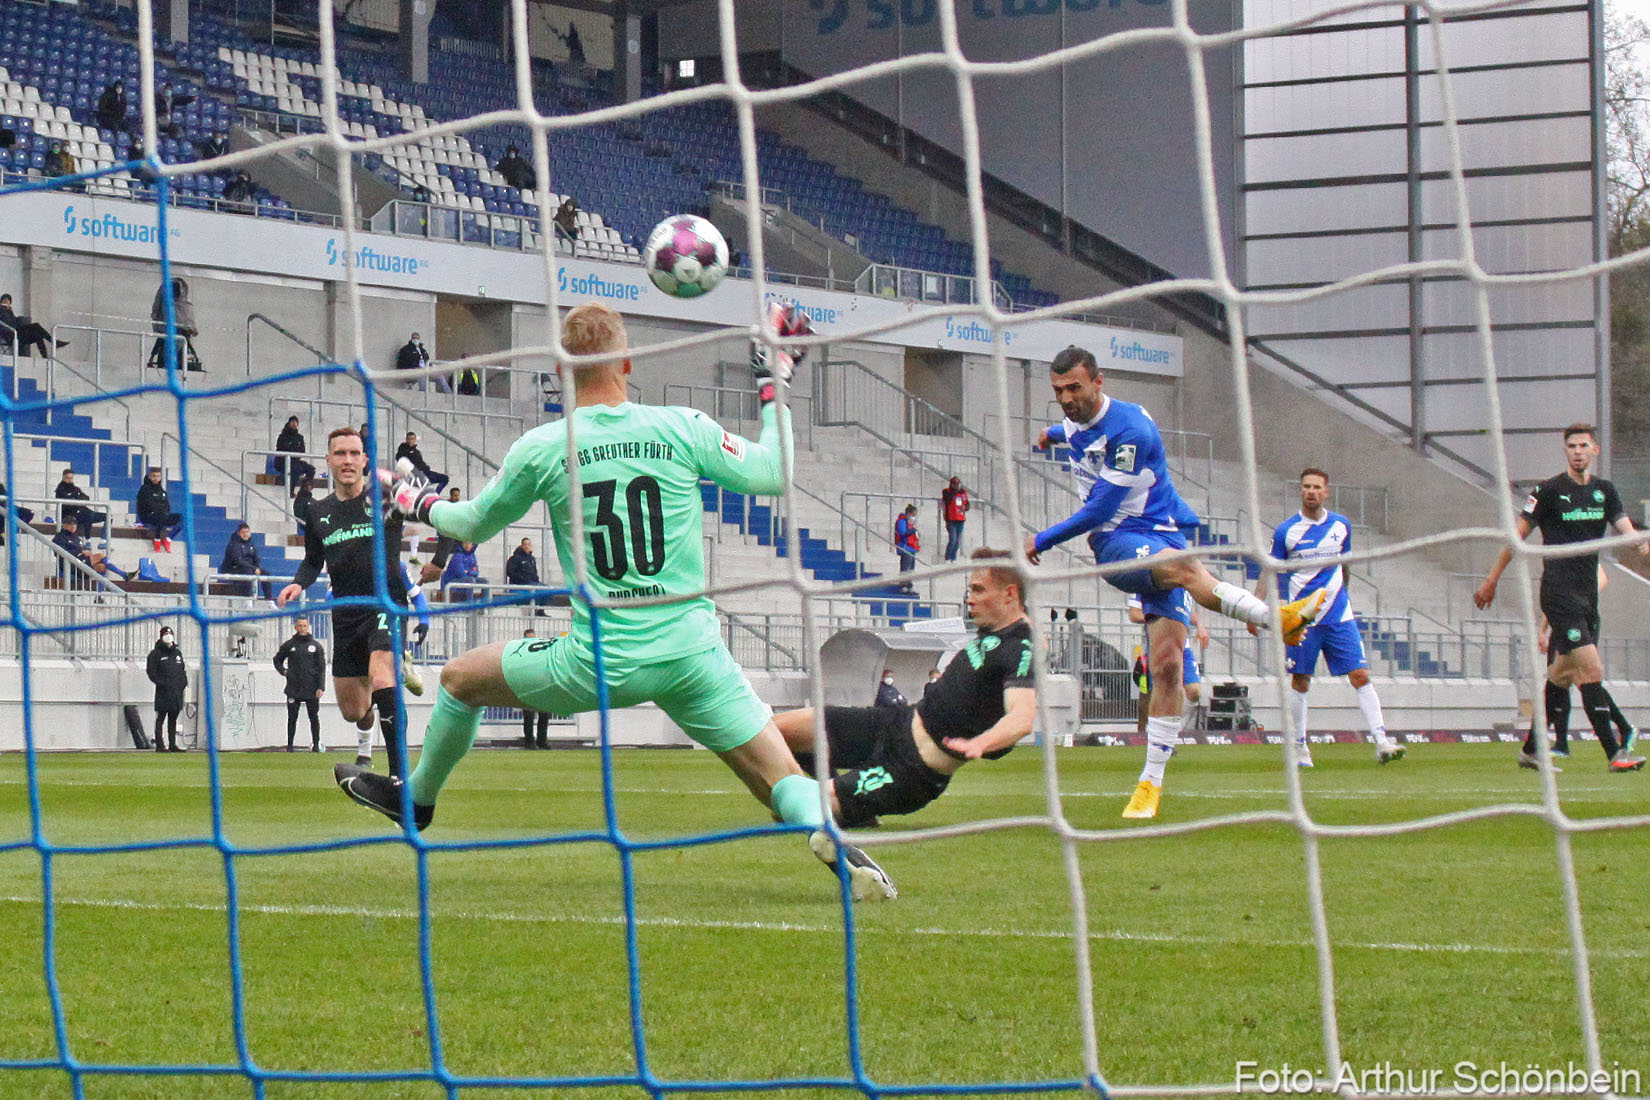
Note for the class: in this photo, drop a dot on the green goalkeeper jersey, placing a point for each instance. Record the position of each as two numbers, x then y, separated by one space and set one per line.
639 473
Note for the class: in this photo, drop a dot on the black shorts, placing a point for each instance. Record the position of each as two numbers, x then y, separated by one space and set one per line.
886 774
1573 626
358 633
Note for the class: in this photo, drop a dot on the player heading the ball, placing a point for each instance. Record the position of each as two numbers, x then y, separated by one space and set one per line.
639 472
1131 512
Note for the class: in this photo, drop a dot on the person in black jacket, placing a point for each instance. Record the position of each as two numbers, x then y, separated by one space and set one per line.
24 515
516 171
303 661
409 451
27 333
111 106
531 718
154 511
241 557
85 518
301 500
291 441
68 540
522 569
167 673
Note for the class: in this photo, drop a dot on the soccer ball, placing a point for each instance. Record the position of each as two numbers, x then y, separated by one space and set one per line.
686 256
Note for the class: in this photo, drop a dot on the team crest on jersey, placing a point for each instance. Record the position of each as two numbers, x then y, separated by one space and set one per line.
1598 494
734 446
1124 458
1574 634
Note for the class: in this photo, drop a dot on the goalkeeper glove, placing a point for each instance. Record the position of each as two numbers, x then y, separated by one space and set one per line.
410 494
771 364
420 632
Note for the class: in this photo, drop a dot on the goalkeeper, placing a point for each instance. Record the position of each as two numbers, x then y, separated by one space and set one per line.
639 473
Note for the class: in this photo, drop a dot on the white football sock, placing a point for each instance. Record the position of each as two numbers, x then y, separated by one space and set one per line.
1370 704
1161 736
1242 605
1297 715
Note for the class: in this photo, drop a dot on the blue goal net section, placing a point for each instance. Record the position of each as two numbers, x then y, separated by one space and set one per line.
153 188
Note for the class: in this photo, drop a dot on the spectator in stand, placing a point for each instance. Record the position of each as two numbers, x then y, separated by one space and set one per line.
469 382
84 517
240 558
444 548
154 511
111 106
567 218
887 694
303 662
240 193
167 673
522 570
413 355
61 162
24 515
301 500
295 470
462 573
213 147
68 540
531 718
907 542
183 314
23 331
954 511
409 451
420 193
517 172
168 101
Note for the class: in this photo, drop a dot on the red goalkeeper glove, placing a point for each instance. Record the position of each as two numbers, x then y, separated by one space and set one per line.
771 364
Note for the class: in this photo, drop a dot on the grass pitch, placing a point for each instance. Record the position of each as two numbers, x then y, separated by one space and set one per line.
1450 944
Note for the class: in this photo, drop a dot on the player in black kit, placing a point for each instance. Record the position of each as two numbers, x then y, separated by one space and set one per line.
1572 507
340 537
903 757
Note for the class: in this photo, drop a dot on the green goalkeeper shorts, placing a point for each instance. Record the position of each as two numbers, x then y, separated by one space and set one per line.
705 693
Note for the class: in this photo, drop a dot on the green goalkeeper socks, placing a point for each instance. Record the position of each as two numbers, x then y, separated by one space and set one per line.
795 799
451 732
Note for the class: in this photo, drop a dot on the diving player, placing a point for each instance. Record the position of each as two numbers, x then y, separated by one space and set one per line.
1131 512
1573 506
902 758
639 473
339 537
1312 533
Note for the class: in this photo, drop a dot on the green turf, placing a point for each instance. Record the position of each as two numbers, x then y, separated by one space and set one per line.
1450 943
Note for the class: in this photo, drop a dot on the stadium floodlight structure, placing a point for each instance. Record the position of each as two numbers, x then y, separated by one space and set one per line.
1462 265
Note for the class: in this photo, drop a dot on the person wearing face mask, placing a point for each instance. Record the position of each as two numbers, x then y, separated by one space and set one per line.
167 673
887 694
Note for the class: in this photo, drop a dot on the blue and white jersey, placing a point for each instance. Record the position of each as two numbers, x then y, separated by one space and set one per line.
1304 540
1119 466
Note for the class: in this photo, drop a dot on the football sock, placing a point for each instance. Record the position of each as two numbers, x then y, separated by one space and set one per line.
1242 605
1620 719
795 799
1161 735
451 732
1595 699
1370 704
1556 701
1297 715
389 723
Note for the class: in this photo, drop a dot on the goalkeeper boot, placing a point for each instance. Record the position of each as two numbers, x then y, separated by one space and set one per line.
1528 760
378 792
1388 751
1299 615
410 675
1144 801
866 880
1624 761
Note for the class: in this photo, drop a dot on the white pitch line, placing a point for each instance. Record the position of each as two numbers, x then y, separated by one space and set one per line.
1116 935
